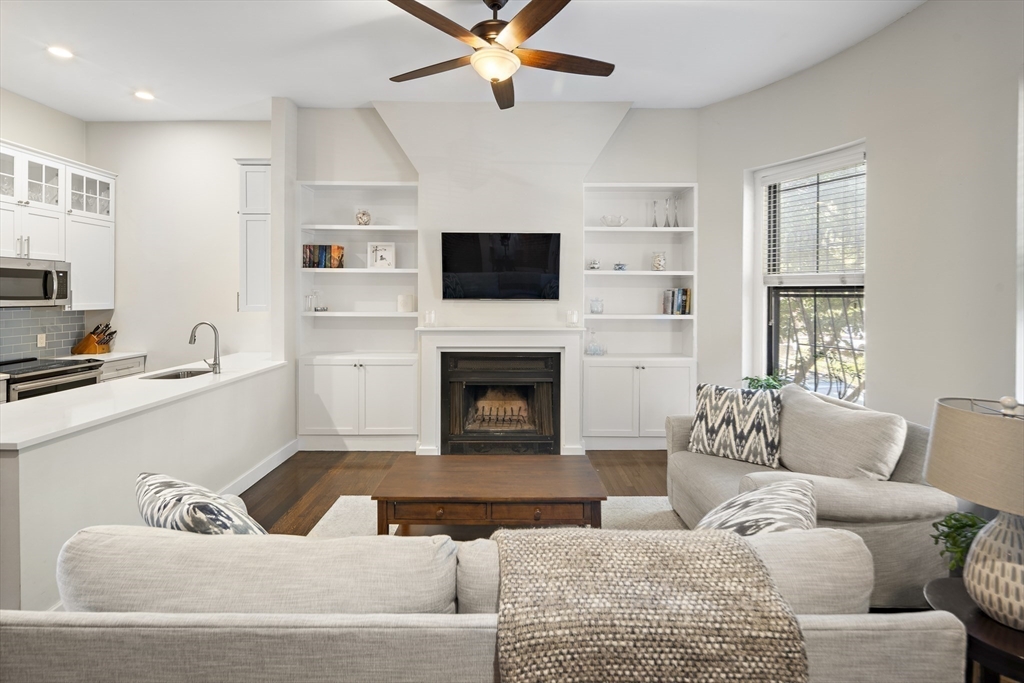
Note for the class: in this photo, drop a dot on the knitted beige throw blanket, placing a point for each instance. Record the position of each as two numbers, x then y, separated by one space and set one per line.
580 605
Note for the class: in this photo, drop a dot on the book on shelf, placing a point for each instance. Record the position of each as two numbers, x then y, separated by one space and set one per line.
676 301
323 256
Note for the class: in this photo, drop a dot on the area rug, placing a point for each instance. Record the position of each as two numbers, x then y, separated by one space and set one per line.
357 516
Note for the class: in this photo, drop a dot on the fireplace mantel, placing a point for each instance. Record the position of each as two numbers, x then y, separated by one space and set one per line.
567 341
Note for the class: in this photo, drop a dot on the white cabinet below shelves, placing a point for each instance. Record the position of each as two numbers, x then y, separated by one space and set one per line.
90 249
357 395
627 397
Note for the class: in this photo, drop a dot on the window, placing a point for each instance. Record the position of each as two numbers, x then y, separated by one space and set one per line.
813 228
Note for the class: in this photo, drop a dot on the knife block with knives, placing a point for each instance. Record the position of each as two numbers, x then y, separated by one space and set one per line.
97 341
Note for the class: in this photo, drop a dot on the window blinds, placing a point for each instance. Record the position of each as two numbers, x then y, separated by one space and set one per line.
814 228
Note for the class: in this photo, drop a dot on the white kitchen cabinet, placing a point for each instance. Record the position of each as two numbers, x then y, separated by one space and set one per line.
90 249
254 235
10 230
255 185
42 234
90 194
344 394
632 396
28 179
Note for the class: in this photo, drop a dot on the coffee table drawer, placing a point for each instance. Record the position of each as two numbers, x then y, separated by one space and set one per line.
537 512
418 512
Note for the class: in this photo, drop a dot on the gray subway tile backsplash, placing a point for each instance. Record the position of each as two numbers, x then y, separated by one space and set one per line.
19 327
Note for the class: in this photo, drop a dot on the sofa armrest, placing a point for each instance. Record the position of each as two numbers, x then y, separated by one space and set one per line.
677 432
912 647
864 500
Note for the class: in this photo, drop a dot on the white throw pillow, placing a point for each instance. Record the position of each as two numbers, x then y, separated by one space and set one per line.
170 503
829 440
782 506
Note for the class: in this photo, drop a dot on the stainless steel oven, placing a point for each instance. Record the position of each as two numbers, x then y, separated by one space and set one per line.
32 377
29 282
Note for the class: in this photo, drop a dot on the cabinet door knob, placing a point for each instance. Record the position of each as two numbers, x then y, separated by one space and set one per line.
440 513
536 515
69 210
643 367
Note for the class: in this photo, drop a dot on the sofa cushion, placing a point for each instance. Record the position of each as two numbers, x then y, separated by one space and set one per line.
819 437
477 581
820 571
742 424
143 569
783 506
703 482
170 503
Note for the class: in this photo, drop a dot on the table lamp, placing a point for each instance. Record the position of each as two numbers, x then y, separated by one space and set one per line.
976 452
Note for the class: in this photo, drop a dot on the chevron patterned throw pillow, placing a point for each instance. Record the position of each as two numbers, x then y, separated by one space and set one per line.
742 424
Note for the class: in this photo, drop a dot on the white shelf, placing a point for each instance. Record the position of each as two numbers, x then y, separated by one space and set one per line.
358 314
363 271
631 316
359 228
624 229
640 356
623 273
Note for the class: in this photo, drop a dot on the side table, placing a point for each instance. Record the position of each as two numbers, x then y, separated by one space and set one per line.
998 649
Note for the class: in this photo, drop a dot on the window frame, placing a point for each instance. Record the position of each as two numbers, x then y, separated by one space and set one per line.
757 337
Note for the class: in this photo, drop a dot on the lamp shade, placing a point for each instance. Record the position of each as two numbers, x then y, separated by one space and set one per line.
494 63
977 453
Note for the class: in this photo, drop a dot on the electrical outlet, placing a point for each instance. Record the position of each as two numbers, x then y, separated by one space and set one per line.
41 340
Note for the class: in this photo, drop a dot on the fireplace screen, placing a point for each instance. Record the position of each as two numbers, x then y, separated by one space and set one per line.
499 403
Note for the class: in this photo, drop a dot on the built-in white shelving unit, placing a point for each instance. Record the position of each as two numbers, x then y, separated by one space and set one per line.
649 369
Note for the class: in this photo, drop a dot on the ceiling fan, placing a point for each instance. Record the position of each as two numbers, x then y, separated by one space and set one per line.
496 42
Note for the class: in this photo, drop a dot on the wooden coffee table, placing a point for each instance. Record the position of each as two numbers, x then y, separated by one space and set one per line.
498 490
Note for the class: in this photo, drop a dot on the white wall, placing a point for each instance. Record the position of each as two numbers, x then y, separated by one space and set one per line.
36 125
650 145
349 144
177 235
519 170
935 96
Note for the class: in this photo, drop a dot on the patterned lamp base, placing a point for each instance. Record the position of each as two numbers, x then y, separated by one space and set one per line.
994 570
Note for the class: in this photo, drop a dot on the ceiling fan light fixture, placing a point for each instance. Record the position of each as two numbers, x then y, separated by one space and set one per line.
494 64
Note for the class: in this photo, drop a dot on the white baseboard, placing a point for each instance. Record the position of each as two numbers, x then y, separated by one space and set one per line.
371 442
625 443
262 469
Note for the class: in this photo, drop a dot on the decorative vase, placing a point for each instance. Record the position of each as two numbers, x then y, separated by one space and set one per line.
597 306
667 223
362 217
658 261
994 570
654 213
675 223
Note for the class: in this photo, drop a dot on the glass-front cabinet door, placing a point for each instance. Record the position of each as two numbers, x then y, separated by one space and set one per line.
7 177
44 183
90 194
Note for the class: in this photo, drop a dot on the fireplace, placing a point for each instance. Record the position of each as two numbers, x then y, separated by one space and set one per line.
500 402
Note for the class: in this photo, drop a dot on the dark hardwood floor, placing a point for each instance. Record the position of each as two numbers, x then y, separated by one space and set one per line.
293 498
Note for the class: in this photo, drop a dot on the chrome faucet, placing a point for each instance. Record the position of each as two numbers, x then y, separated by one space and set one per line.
215 365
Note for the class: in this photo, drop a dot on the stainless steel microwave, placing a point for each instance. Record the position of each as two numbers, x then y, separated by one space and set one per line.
30 282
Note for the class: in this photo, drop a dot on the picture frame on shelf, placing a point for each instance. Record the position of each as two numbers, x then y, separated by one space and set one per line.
380 255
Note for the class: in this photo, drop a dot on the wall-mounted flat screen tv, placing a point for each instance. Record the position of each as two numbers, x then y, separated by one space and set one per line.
499 265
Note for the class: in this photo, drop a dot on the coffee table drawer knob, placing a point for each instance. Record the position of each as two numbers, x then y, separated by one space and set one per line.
440 513
536 515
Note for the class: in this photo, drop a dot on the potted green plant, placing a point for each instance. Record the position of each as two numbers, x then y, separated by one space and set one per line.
956 532
765 382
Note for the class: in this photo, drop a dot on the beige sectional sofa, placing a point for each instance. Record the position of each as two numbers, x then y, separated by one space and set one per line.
151 605
893 517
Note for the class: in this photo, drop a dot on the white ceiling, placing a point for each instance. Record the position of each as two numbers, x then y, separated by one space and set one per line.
215 59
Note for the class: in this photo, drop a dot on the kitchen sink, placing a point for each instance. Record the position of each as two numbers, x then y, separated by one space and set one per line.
178 374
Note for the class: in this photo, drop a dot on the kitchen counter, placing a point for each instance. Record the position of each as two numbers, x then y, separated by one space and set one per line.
4 376
113 355
35 421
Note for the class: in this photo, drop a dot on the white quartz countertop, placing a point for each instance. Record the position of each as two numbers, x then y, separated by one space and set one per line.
4 376
113 355
37 420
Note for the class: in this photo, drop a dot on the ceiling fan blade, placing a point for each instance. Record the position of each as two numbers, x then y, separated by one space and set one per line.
531 19
440 67
441 22
556 61
504 93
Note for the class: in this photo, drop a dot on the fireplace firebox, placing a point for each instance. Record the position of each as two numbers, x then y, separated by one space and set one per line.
500 403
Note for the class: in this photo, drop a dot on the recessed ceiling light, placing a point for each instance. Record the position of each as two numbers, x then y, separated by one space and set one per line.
143 95
61 52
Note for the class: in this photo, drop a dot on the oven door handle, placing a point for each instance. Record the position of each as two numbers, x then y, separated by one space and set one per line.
53 381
